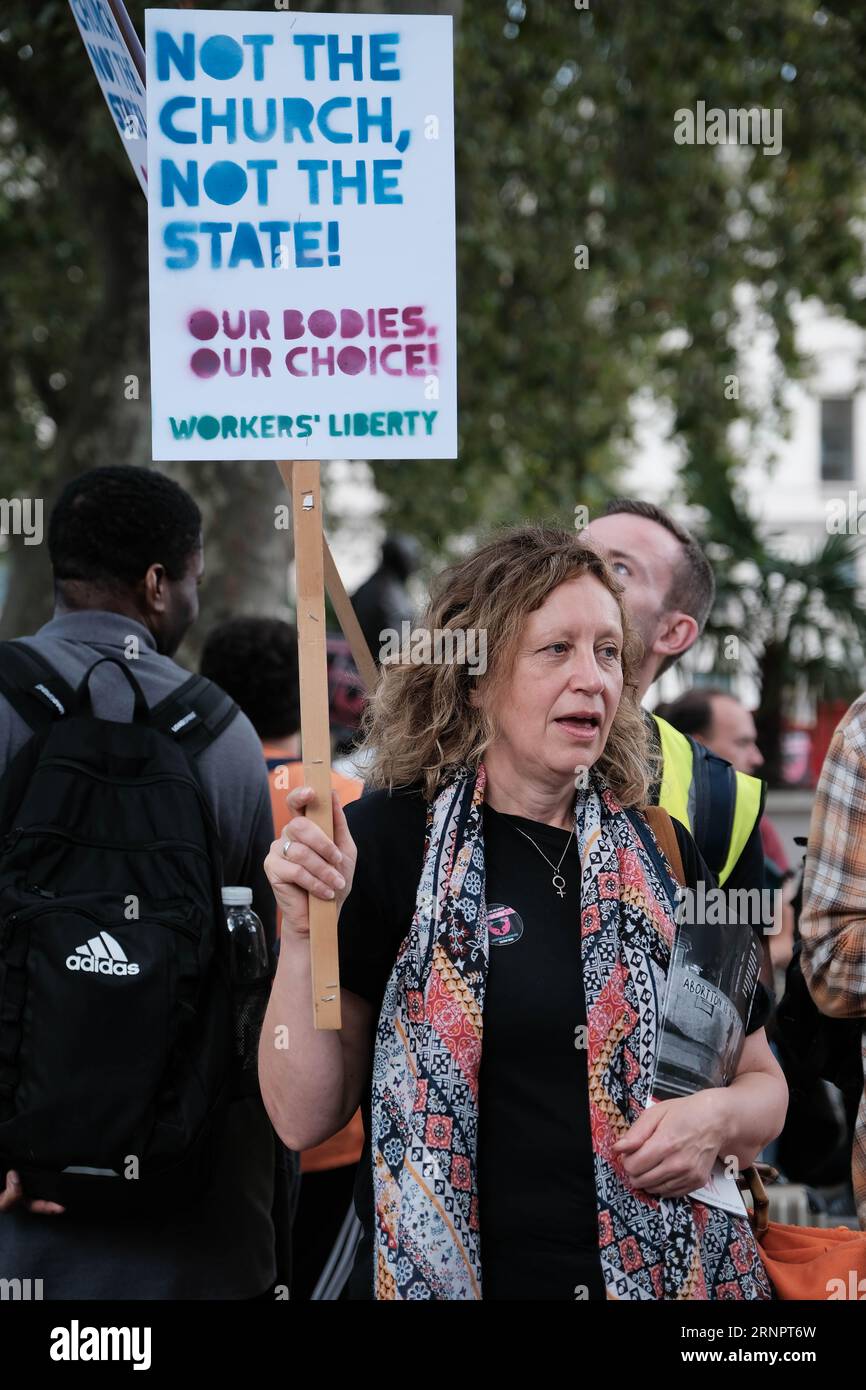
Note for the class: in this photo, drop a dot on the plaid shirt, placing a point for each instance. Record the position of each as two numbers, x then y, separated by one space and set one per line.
833 923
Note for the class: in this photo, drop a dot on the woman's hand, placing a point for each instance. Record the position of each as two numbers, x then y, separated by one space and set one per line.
671 1148
312 863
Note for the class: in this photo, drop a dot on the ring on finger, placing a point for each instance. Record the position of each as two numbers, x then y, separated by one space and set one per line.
285 848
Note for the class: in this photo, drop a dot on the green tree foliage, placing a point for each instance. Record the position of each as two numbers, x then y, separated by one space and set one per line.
74 377
565 121
565 124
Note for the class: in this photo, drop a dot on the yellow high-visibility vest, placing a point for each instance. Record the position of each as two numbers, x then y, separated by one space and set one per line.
681 787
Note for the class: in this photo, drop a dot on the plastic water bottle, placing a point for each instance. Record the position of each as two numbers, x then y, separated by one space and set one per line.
249 947
250 971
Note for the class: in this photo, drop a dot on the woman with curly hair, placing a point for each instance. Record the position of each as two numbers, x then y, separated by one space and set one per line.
506 924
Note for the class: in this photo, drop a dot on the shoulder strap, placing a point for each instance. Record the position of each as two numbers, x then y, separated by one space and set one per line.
31 685
194 714
662 827
715 804
197 711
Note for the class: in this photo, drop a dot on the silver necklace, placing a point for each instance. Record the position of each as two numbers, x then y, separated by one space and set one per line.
558 881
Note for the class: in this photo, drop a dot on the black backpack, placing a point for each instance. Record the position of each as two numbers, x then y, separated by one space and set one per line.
116 1020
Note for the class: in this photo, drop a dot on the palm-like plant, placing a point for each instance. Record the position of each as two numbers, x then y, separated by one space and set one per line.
801 621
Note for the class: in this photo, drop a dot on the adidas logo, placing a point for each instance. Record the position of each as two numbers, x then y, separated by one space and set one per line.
101 955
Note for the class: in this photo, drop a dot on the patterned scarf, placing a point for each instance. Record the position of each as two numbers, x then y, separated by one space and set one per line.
428 1053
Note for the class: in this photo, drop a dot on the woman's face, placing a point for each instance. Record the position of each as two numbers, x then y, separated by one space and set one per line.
554 714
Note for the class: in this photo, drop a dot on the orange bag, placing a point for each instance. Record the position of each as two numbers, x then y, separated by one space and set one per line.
806 1262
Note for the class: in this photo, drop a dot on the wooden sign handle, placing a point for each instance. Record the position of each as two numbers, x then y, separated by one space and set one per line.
302 478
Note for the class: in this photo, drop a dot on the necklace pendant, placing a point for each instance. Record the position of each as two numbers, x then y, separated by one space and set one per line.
559 884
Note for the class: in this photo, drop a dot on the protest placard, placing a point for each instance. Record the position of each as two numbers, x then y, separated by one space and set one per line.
92 21
116 72
301 221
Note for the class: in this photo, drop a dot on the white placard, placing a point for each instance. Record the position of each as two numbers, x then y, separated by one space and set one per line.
301 218
118 77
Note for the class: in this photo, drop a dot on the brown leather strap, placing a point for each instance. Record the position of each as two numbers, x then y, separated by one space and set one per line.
662 827
752 1180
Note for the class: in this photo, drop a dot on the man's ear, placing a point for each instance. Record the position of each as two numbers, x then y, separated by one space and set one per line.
679 632
154 585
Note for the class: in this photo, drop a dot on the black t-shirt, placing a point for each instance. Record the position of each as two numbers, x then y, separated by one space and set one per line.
536 1186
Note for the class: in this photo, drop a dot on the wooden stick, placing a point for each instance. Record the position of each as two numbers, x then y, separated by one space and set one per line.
361 654
367 668
302 478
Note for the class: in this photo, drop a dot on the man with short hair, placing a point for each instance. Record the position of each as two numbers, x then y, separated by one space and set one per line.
668 580
669 591
126 550
720 721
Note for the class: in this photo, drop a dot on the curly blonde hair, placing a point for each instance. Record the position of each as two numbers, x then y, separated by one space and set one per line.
421 724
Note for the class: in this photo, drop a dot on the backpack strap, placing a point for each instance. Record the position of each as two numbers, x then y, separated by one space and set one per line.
194 714
714 806
32 686
662 827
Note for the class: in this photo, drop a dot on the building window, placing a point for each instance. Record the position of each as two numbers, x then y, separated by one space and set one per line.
837 440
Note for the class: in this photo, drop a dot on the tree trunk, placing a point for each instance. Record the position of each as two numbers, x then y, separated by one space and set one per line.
246 556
